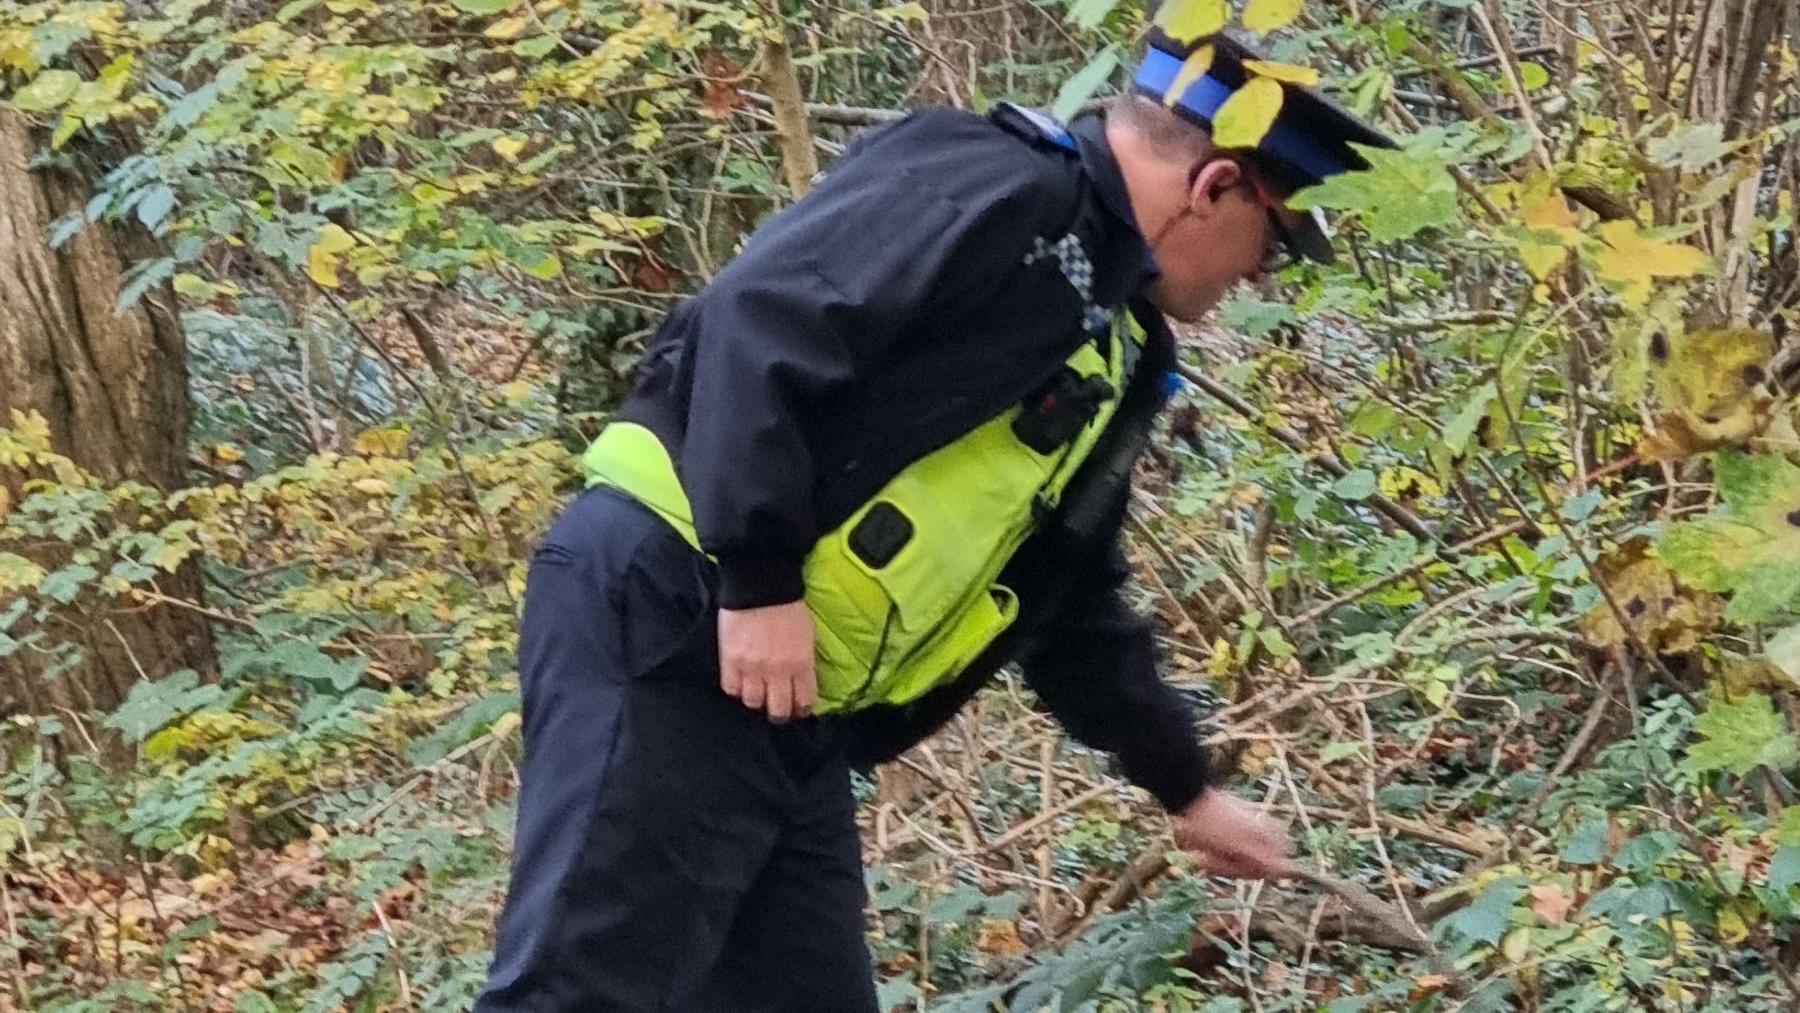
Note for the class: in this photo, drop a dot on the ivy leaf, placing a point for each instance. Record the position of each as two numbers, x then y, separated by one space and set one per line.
1633 257
1486 920
1187 20
1401 194
1741 735
47 91
1268 15
1750 546
1247 115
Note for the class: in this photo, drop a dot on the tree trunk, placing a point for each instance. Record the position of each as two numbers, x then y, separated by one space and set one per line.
113 388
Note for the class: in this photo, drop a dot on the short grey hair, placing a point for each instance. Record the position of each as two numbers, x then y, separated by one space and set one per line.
1169 134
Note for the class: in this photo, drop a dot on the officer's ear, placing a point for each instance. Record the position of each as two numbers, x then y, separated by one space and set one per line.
1210 181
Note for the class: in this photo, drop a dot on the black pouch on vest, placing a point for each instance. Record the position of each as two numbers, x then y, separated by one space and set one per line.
1056 412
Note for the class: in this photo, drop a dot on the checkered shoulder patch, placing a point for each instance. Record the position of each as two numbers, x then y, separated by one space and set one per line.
1072 259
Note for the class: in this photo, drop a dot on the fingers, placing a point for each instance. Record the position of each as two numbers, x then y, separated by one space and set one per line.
766 660
731 677
779 697
806 692
755 688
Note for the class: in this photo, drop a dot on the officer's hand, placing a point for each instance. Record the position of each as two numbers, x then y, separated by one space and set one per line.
1232 837
766 658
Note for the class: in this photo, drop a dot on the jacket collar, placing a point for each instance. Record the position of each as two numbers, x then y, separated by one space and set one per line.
1120 232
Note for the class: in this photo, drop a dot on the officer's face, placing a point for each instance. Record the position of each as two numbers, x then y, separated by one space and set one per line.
1226 233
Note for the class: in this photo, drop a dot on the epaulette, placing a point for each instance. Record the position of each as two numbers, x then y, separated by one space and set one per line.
1033 125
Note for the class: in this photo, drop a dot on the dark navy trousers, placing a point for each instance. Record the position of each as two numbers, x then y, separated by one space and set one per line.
675 850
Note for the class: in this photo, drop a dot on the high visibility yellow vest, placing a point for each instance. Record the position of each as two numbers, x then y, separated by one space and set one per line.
904 593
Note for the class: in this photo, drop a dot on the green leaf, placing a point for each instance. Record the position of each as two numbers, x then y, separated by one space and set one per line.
1783 651
1750 546
536 46
47 91
155 205
65 584
1533 75
1090 13
153 704
142 278
1690 148
1788 831
1463 424
1401 194
482 8
541 264
1254 317
1486 920
1586 846
1741 735
1078 89
1784 868
1359 484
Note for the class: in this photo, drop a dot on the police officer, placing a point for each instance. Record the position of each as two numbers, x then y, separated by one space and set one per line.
884 452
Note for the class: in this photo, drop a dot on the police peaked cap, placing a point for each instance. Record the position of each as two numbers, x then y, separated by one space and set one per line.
1309 140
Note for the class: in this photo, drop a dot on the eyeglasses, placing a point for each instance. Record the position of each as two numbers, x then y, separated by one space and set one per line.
1282 250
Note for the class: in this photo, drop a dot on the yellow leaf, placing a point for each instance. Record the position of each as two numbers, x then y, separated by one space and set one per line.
322 258
1731 926
1291 73
507 147
1187 20
1542 206
507 28
1517 944
225 453
371 486
387 441
1248 114
1631 260
1192 69
1268 15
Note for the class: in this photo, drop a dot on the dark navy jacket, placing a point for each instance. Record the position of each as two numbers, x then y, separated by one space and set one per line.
925 284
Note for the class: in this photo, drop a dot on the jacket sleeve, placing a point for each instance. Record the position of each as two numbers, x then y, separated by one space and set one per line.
926 210
1097 674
